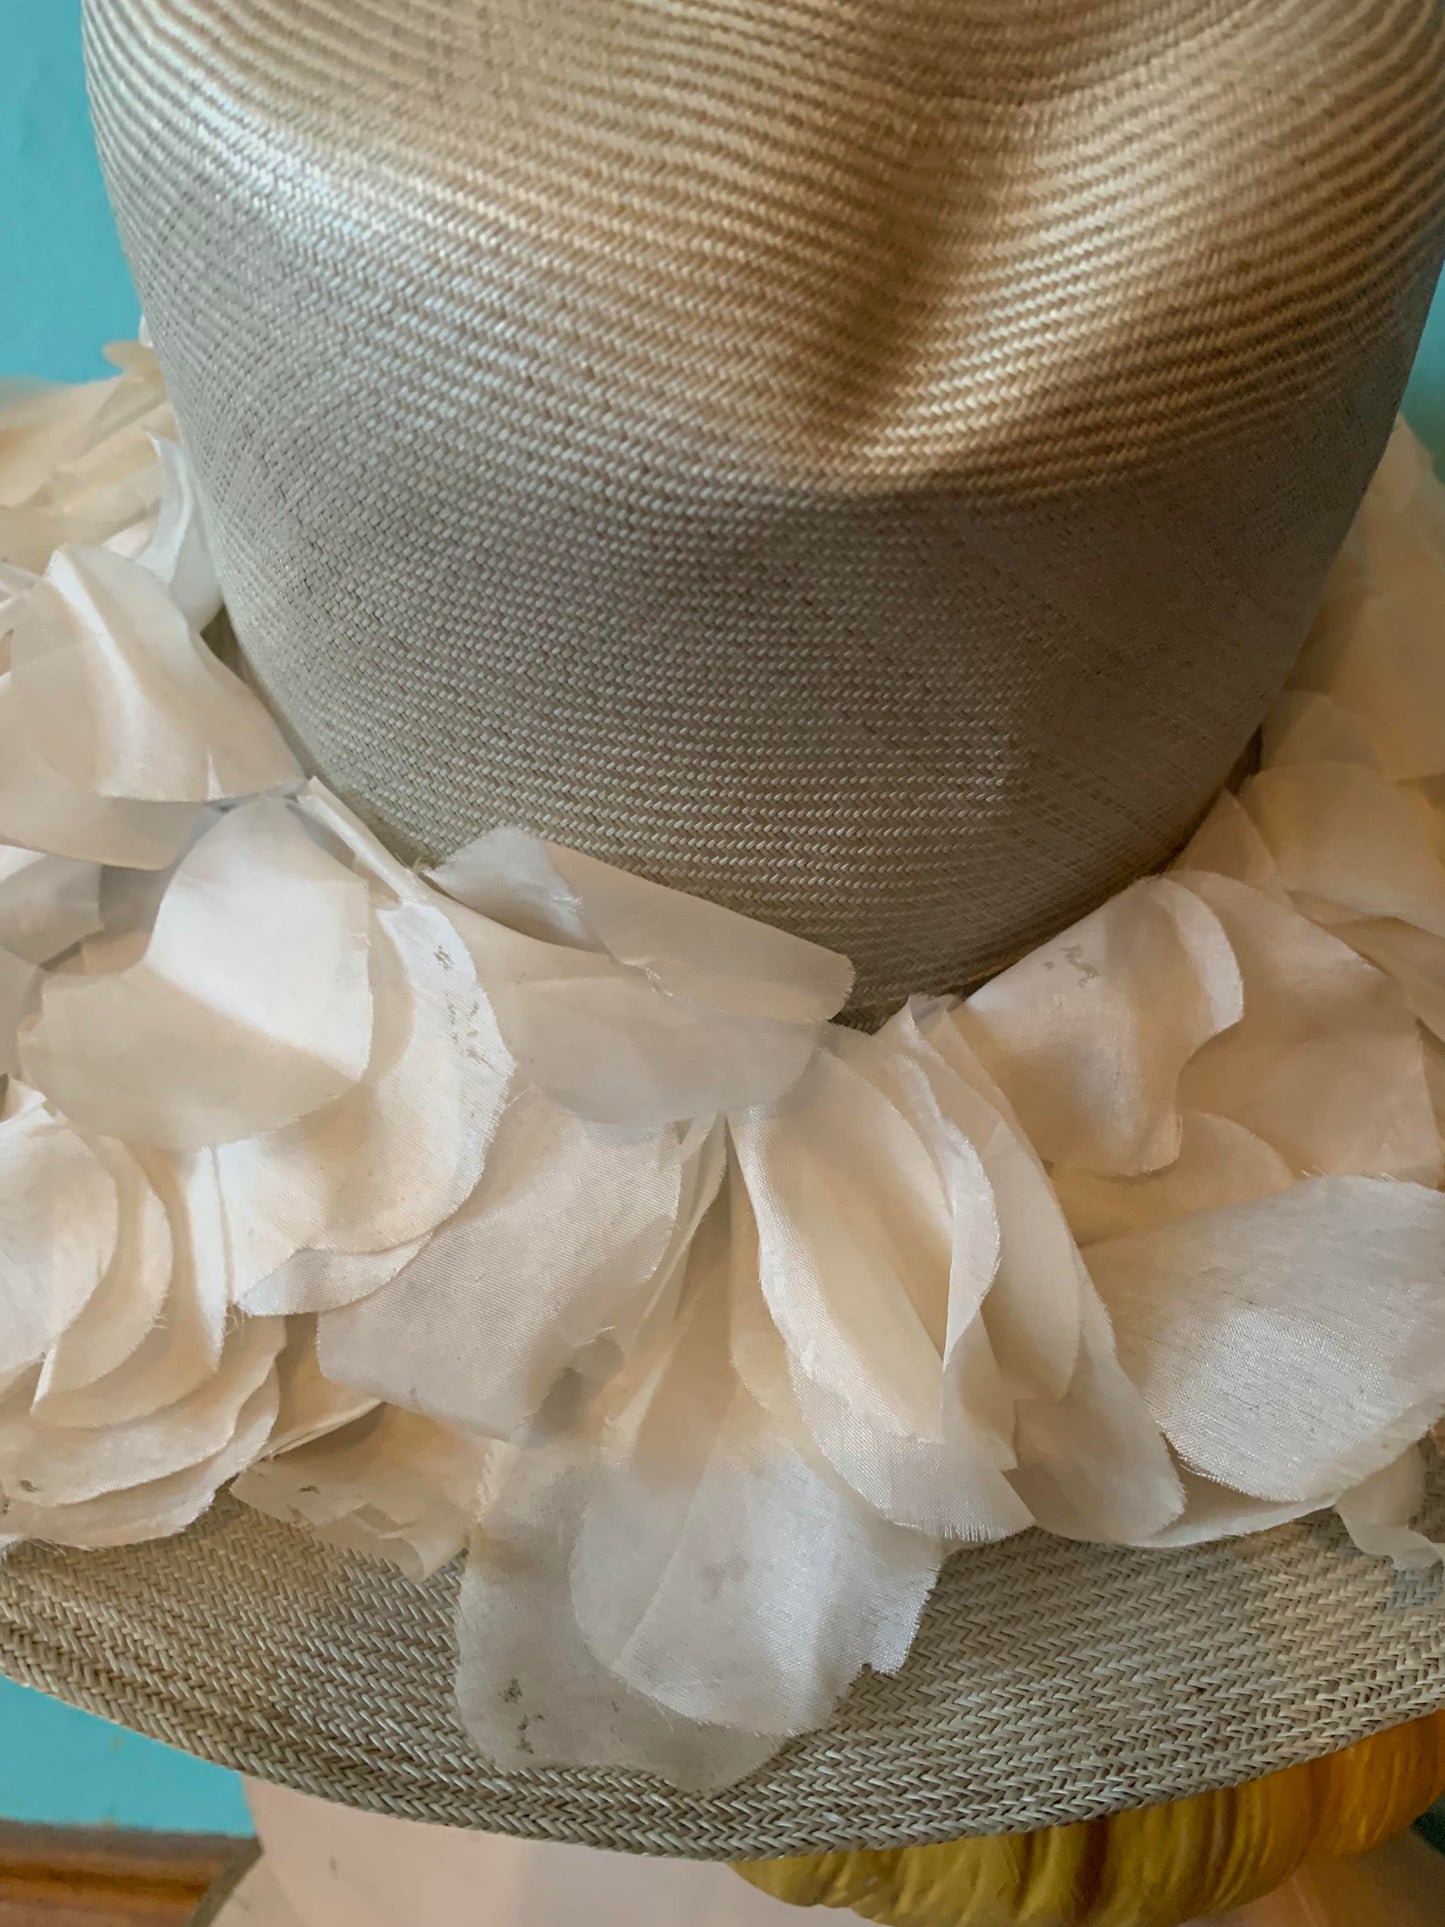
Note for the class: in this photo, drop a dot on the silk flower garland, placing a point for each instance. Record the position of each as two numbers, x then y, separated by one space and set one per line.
532 1209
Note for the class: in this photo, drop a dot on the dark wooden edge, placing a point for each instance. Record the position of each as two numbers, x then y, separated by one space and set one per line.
112 1874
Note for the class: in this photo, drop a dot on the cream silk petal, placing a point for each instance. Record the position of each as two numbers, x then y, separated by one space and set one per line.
162 1507
1093 1465
59 1223
388 1484
40 810
615 1050
50 1465
40 428
767 1312
19 995
311 1406
531 1693
634 1004
569 1228
397 1155
130 1299
1088 1035
121 698
1087 1454
309 1282
80 464
686 946
1307 728
1228 844
1213 1512
1219 1162
1325 1065
637 1321
933 1485
874 1257
1292 1346
177 552
1380 1513
48 904
1348 836
183 1348
1413 958
250 1008
714 1571
15 587
1033 1311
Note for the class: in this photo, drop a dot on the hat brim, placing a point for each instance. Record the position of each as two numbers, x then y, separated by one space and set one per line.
1052 1682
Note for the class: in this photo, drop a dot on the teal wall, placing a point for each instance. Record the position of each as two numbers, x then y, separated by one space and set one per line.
62 1768
63 285
63 292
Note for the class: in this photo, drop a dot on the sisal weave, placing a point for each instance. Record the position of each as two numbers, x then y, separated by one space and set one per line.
868 464
1052 1682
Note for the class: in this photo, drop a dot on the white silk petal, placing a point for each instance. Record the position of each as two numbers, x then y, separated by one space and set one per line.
946 1488
19 995
1376 650
1087 1036
40 810
1413 958
41 426
347 837
122 699
308 1282
1228 844
390 1485
59 1222
51 1465
684 945
250 1008
386 1163
1219 1162
177 551
183 1348
163 1507
1292 1346
1093 1464
47 904
1212 1512
1033 1310
130 1298
311 1406
1380 1513
873 1257
1326 1063
15 587
531 1693
1348 836
703 1157
715 1572
566 1233
615 1050
856 1239
633 1004
1307 728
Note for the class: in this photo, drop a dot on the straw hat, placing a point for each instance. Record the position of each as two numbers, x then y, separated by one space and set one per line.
624 1015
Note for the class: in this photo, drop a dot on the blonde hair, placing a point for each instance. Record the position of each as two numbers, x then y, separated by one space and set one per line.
1160 1865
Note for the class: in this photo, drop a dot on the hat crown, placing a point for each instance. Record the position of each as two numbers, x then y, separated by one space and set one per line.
872 466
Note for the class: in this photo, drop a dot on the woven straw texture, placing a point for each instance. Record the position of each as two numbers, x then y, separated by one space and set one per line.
866 461
1052 1682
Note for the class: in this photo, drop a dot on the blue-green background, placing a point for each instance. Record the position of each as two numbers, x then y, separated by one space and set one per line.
63 292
